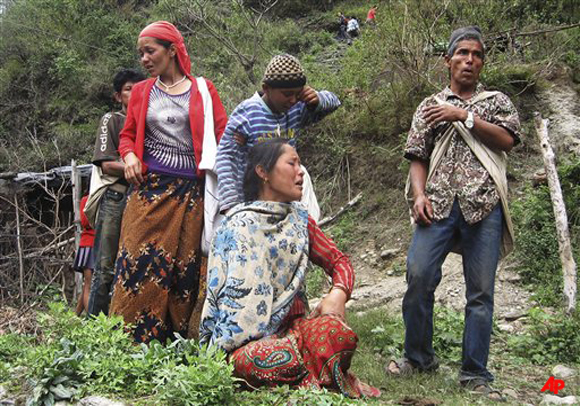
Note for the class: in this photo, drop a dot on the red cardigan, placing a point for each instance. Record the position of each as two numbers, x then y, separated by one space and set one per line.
132 136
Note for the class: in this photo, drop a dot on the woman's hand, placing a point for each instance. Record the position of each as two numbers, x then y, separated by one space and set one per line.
133 168
333 303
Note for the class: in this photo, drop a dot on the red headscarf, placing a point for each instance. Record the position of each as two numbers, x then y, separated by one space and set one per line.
166 31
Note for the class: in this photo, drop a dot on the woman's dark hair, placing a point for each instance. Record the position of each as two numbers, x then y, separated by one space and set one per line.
124 76
266 155
164 43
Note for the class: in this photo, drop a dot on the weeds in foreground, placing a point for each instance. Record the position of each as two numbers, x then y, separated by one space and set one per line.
77 357
72 359
381 338
537 245
550 339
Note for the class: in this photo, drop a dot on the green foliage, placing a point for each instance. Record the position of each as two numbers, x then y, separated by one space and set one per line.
76 357
82 356
316 279
448 333
512 79
550 338
12 347
343 231
388 336
537 245
552 12
283 395
60 380
204 379
56 75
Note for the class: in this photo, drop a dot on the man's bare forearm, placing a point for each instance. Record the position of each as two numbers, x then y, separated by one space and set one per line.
114 168
418 171
493 135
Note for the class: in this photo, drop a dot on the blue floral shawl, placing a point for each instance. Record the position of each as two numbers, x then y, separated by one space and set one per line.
257 264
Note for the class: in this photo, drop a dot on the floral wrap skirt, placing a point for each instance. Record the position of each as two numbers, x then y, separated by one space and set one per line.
313 353
160 274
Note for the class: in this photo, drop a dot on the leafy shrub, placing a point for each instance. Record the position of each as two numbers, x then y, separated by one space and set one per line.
76 357
511 79
388 337
79 356
12 347
550 338
205 378
60 380
536 242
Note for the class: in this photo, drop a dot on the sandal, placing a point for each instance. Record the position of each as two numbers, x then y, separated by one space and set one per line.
404 367
400 367
479 386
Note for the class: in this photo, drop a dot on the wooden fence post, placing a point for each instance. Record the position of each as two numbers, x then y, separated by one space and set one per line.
563 234
76 197
19 247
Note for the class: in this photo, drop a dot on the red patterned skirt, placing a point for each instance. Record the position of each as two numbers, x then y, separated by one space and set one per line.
312 353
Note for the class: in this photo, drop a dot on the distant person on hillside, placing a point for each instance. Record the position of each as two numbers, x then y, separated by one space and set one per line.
458 189
108 189
342 35
352 28
160 273
84 259
284 107
371 15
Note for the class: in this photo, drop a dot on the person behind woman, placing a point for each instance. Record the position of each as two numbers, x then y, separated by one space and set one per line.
84 259
160 273
255 305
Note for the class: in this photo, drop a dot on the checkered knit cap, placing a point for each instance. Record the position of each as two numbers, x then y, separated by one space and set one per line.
284 71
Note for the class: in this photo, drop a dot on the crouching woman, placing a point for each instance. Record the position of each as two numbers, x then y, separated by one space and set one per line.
255 305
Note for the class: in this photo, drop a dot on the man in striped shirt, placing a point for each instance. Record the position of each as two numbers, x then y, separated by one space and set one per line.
281 110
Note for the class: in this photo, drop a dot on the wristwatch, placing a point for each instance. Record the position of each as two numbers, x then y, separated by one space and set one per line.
469 121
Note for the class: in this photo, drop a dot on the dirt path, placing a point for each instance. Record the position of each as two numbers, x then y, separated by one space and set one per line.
375 290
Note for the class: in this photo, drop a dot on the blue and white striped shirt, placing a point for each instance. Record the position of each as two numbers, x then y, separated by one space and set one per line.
254 120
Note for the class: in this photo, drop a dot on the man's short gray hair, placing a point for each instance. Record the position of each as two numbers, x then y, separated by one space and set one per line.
462 34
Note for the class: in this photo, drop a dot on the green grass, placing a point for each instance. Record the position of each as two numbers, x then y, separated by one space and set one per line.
76 353
381 335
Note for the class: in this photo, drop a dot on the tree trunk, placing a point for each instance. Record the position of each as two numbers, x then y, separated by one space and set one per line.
563 234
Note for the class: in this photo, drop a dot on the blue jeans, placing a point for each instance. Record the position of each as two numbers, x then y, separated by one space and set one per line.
107 231
480 245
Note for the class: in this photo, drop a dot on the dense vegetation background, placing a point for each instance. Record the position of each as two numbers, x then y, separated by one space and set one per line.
57 60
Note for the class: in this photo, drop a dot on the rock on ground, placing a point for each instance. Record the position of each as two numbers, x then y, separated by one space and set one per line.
4 399
557 400
99 401
563 372
510 393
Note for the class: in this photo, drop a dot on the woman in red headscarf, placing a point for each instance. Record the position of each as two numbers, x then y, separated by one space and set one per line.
160 273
